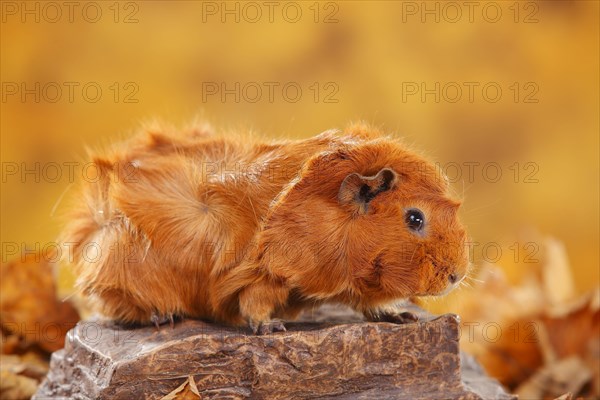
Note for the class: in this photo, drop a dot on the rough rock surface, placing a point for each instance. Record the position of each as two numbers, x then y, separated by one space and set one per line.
343 358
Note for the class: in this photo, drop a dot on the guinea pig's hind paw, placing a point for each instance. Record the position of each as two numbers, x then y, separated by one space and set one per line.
270 327
266 327
405 317
159 320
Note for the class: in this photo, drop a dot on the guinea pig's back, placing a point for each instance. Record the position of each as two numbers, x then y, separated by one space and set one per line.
162 219
169 212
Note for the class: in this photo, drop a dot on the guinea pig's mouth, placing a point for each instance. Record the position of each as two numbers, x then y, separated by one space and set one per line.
454 281
449 288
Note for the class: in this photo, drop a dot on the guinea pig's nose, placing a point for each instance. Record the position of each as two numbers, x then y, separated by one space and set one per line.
453 278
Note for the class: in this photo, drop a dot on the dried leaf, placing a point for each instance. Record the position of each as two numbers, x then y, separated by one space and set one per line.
566 375
30 365
10 343
29 307
186 391
543 324
557 278
566 396
499 326
574 330
16 387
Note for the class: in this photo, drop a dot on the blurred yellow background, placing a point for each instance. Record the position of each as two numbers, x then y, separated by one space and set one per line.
485 88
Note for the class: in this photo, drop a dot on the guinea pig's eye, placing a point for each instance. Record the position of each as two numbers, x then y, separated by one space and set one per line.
415 219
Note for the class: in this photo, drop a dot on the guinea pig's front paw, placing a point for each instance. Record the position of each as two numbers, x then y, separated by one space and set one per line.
159 320
266 327
405 317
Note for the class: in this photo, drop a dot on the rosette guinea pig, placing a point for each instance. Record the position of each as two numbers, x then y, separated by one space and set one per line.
239 230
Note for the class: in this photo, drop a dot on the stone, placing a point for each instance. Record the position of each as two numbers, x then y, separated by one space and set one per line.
329 354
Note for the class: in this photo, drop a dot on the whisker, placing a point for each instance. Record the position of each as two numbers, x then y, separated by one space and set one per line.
474 279
60 198
469 211
413 254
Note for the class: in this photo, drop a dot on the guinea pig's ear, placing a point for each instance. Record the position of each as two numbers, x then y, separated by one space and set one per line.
360 190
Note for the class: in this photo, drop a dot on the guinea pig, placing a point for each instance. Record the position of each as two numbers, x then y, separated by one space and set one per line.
239 230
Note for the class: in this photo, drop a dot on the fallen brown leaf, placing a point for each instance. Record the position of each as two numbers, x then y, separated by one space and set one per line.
545 340
16 387
186 391
566 375
29 308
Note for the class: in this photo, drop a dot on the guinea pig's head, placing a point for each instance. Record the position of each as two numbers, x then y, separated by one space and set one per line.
403 224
